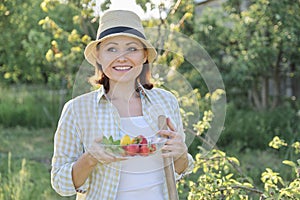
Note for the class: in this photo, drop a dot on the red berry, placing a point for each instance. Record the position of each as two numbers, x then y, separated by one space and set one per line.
152 148
144 141
144 150
139 140
132 149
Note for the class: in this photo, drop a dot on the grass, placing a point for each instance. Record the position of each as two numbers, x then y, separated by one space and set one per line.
34 147
30 106
24 142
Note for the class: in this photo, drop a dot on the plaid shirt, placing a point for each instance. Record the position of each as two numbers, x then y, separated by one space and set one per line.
89 116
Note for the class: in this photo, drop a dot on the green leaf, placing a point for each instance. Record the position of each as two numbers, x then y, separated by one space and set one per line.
289 163
234 160
116 142
105 140
111 139
248 185
221 153
229 176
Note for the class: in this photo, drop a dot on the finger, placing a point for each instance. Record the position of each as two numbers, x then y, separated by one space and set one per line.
106 158
174 153
120 159
167 133
170 124
171 135
167 148
174 147
167 154
98 139
100 154
109 157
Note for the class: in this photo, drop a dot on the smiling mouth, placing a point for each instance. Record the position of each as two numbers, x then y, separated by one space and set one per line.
122 68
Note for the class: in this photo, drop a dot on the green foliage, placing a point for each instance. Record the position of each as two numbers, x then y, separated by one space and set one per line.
276 143
274 185
16 185
30 107
25 163
105 5
67 26
251 129
47 44
219 176
252 47
22 43
203 124
181 17
110 141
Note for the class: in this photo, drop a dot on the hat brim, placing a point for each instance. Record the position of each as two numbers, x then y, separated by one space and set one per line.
90 50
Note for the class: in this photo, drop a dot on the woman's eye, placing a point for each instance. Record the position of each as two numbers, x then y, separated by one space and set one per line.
112 49
132 49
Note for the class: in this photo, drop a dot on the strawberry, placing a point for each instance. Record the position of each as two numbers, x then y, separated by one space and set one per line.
139 140
132 149
144 141
144 150
152 148
124 147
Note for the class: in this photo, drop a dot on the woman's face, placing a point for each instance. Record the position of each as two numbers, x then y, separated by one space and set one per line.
121 58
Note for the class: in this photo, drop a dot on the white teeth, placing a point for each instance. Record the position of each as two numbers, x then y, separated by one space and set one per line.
122 68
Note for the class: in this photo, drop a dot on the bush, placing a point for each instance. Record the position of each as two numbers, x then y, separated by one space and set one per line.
219 176
253 129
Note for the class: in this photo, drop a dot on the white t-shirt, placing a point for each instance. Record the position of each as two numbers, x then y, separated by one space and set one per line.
142 177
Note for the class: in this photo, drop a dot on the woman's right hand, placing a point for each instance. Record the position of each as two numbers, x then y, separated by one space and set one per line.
87 162
98 153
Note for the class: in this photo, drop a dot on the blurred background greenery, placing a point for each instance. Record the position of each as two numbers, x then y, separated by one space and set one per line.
254 43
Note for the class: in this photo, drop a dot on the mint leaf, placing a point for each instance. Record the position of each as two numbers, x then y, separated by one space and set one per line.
105 140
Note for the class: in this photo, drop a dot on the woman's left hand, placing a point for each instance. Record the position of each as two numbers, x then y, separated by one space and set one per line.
175 146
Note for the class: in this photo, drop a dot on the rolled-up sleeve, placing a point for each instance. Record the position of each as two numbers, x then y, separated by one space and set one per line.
67 149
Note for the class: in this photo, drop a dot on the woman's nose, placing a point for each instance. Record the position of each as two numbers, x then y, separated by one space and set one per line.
122 57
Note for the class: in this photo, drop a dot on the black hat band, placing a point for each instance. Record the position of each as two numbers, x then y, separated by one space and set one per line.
121 29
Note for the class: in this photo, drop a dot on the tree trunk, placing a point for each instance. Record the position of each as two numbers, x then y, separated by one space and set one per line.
256 99
264 92
295 82
276 78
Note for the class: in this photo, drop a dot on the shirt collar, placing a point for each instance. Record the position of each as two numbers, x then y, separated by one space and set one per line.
101 94
144 94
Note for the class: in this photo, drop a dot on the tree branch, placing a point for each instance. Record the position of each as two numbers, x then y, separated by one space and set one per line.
175 7
245 188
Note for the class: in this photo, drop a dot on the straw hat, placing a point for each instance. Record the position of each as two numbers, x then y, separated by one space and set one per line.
119 22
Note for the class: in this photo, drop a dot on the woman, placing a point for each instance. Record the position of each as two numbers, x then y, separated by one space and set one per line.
126 103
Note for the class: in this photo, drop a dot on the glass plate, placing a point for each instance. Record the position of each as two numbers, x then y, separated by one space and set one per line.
154 144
